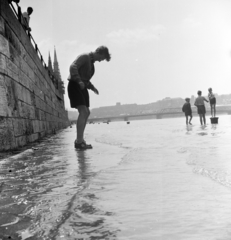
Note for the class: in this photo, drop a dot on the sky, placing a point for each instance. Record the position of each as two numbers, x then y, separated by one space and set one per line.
159 48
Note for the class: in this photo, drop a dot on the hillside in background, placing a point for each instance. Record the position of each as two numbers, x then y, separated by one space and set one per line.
132 109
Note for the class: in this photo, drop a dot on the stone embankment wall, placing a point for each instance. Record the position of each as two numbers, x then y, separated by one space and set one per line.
31 106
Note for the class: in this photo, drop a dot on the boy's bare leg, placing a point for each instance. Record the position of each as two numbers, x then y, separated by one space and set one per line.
88 114
190 120
204 119
81 122
186 120
201 119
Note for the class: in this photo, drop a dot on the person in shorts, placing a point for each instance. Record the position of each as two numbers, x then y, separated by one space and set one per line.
212 101
199 103
187 110
81 72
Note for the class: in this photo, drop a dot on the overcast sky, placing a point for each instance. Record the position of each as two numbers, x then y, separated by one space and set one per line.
160 48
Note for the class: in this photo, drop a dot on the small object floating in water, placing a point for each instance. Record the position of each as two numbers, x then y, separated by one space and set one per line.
214 120
128 122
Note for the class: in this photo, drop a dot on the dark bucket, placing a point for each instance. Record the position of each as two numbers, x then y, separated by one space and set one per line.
214 120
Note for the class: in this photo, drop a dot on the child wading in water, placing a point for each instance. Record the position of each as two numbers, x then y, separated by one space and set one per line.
212 101
199 103
187 111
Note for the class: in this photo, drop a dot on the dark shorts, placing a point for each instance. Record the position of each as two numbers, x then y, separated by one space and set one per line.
77 96
201 109
188 114
212 101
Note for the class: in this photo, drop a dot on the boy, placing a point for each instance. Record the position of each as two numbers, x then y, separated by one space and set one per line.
81 72
199 103
212 101
187 110
26 18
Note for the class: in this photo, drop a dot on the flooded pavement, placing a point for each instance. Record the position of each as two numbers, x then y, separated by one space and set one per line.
149 180
40 188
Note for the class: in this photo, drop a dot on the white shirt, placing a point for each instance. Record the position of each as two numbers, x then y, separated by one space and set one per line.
25 19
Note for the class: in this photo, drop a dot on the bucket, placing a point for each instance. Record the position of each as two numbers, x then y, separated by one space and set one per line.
214 120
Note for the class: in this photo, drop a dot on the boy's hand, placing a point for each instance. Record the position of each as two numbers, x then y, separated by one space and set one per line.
96 91
82 85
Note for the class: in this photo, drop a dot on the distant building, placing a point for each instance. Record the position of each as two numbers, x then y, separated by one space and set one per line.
55 71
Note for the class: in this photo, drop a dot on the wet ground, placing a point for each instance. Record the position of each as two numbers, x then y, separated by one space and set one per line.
39 186
149 180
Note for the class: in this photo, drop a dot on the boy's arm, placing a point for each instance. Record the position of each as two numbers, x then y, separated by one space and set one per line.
75 66
205 99
183 108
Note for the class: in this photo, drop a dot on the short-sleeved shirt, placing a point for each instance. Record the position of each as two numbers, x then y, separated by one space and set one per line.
211 96
25 17
199 101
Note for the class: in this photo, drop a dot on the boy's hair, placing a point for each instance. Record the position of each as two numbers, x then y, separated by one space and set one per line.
30 9
102 50
199 92
187 99
210 89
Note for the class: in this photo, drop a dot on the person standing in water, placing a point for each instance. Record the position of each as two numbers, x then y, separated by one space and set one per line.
212 101
187 110
199 103
81 72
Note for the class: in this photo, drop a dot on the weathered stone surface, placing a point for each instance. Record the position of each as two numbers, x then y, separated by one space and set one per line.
12 99
21 141
26 110
3 64
2 27
30 104
4 46
36 125
3 97
19 126
12 66
24 79
7 140
28 127
33 137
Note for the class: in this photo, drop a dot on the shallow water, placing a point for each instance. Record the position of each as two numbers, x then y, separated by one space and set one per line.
150 179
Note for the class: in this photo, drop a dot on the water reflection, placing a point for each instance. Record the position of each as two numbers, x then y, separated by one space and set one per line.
189 128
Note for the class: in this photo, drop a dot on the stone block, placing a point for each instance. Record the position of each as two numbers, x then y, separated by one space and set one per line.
3 64
12 66
12 99
42 115
19 91
24 79
3 97
37 116
26 111
7 140
19 126
28 127
33 137
14 42
4 46
2 26
21 141
27 96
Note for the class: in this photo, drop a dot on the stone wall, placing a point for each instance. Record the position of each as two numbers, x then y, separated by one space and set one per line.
30 104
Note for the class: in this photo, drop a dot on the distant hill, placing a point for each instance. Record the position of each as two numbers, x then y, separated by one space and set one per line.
133 109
